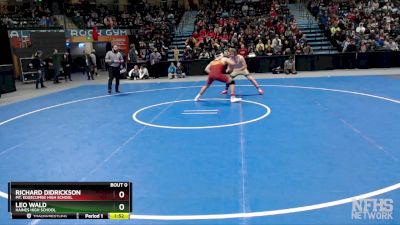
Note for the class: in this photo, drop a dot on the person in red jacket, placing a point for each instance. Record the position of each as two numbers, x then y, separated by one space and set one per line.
211 34
243 51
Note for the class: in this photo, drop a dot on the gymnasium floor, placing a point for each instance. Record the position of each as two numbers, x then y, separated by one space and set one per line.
302 153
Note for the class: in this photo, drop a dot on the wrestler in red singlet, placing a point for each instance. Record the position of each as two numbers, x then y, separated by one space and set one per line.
215 70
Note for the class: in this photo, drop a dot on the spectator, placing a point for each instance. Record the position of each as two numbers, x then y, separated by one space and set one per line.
176 54
334 30
43 22
363 47
172 71
37 64
251 53
276 44
345 44
163 54
290 66
393 45
66 66
48 68
93 57
323 21
260 48
245 9
268 50
204 54
351 47
8 21
56 58
90 23
307 50
180 70
132 55
186 55
360 29
134 73
143 72
299 49
243 51
90 65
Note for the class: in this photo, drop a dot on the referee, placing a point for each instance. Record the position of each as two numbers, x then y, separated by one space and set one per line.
114 60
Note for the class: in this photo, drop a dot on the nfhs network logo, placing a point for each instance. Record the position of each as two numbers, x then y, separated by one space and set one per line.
373 209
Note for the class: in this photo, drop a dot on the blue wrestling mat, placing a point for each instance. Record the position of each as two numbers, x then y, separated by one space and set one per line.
309 151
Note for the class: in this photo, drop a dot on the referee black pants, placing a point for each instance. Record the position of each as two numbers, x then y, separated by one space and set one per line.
113 72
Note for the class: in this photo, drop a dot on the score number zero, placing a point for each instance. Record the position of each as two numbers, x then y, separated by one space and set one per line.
121 194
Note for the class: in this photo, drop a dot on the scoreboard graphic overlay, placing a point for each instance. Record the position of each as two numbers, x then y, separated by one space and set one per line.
63 200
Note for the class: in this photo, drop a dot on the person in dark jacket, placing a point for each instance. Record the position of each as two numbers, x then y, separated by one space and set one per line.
56 58
38 65
66 64
90 65
132 55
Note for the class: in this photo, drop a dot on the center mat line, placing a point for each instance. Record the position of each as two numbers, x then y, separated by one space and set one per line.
201 110
199 113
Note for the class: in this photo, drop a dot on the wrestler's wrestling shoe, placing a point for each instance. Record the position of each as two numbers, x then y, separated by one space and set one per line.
224 92
234 99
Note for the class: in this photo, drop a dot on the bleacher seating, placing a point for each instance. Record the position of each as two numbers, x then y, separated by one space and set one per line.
151 26
259 28
28 17
360 25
